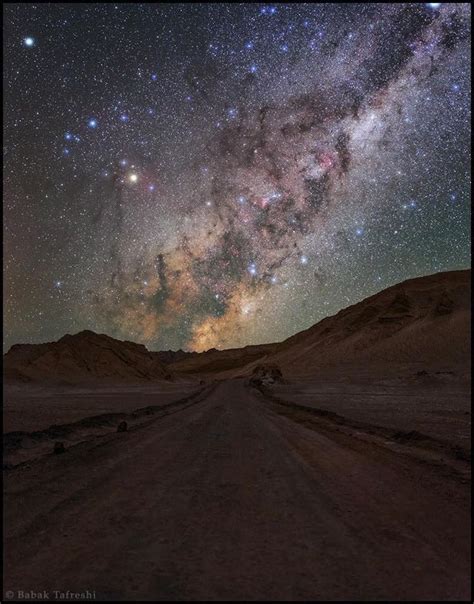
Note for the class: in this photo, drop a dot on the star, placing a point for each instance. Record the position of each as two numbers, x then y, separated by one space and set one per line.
213 151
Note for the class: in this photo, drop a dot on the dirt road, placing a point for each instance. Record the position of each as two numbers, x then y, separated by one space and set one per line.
230 499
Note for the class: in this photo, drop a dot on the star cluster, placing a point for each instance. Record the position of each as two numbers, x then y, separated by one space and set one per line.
216 175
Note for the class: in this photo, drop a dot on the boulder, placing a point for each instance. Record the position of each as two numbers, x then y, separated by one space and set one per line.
266 375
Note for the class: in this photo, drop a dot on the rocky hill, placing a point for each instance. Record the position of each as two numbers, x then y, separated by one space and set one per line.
85 356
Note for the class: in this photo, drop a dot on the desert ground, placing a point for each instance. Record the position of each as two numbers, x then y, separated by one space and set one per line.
235 496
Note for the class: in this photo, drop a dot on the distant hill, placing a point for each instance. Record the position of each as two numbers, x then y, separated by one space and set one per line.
173 356
221 360
85 356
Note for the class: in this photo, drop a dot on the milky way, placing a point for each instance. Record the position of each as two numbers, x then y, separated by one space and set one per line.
197 176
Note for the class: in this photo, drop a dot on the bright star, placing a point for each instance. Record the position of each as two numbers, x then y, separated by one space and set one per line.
92 123
29 41
133 177
304 259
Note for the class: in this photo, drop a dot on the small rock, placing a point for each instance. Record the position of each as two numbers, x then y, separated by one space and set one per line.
59 448
122 427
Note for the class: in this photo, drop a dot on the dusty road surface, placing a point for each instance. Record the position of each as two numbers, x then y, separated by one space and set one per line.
238 498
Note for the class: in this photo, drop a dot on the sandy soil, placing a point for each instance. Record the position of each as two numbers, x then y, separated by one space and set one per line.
30 407
438 405
234 496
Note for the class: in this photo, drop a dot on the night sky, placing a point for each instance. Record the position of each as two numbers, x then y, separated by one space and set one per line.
196 176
